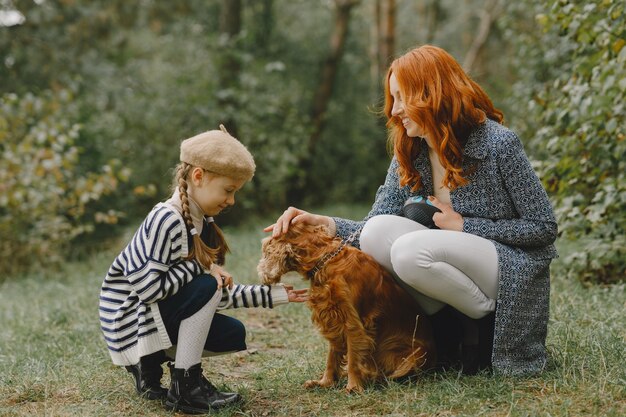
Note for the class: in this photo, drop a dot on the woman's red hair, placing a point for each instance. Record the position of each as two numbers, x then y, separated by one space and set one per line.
446 104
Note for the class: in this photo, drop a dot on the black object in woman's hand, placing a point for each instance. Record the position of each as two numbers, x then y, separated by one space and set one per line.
420 210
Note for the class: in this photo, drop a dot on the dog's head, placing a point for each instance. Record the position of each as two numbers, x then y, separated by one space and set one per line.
289 252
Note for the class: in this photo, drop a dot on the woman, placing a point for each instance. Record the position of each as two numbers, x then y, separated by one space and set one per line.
490 258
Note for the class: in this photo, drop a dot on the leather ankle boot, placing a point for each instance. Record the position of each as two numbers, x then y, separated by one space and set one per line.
447 332
191 393
477 357
147 374
485 340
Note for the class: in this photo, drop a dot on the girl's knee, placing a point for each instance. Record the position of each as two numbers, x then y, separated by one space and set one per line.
204 285
239 331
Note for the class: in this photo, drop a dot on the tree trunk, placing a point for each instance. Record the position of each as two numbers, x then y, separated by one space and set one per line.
261 29
382 42
432 14
374 51
489 13
299 183
228 66
329 69
387 35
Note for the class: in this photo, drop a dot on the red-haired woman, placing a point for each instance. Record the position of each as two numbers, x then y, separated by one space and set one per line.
487 262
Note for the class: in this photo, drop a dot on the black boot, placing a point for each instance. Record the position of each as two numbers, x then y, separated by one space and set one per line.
485 340
477 357
148 373
469 359
191 393
447 332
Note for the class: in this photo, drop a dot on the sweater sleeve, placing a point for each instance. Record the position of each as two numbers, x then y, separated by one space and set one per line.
390 198
153 263
536 225
249 296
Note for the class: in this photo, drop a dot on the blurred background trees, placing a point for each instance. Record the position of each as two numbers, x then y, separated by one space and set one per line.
97 95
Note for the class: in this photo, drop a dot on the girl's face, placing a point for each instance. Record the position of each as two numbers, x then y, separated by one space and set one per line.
412 129
212 192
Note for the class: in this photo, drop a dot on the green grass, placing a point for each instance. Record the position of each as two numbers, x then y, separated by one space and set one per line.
53 361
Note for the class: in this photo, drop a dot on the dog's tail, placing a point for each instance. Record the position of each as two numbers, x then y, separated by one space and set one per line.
399 356
412 363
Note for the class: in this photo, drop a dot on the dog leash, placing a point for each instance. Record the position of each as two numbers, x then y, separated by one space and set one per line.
320 264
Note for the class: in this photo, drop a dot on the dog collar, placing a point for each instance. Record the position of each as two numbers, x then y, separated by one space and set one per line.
322 262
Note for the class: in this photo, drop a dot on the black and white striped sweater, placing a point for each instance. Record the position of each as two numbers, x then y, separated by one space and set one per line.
152 268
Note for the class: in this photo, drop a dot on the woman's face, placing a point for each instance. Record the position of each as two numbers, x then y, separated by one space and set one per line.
213 193
412 128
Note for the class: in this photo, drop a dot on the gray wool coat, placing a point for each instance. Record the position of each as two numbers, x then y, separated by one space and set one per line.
504 202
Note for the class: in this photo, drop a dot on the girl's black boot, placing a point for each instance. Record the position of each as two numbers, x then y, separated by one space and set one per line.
191 393
147 374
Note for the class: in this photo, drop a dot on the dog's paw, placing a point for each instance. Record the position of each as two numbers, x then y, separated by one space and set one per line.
313 383
353 388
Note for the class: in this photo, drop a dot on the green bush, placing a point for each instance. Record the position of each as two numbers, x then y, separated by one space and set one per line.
577 86
45 198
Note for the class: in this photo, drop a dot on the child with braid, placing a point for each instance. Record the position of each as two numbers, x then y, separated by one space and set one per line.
162 292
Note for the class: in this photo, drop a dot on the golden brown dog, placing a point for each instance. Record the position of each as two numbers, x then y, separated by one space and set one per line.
373 326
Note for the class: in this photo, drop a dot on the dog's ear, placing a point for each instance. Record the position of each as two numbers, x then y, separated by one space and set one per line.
293 256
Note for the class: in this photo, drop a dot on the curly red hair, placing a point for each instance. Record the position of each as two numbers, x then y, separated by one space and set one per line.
445 102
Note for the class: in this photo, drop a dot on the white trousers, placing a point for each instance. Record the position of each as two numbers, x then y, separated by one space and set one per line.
436 267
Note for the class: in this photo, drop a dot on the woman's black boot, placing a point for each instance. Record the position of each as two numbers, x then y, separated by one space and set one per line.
447 332
477 357
486 327
191 393
147 374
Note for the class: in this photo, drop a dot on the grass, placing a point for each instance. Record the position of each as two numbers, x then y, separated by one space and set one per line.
53 361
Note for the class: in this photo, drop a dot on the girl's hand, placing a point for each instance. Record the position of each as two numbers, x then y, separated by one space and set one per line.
296 296
295 215
223 277
448 219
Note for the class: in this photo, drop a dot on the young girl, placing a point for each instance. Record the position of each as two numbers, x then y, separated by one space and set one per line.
162 291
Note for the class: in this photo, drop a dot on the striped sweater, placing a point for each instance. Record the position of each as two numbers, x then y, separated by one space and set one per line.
152 268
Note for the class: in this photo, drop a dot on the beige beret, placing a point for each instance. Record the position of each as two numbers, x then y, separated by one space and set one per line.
217 151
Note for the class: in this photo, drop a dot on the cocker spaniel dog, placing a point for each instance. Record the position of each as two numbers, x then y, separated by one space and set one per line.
374 328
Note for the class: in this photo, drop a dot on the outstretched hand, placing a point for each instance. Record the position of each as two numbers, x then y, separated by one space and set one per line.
448 219
297 296
294 215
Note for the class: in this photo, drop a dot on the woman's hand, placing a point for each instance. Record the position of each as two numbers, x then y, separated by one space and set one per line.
223 277
295 215
448 219
296 296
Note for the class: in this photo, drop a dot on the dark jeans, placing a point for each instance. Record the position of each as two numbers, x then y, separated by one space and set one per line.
226 334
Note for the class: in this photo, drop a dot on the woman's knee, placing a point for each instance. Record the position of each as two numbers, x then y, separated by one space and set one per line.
408 255
374 235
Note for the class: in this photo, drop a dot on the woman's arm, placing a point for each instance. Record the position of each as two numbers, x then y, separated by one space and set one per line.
536 225
389 200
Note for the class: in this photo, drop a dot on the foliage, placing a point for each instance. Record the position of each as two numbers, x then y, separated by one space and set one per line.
577 91
45 199
54 361
145 75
